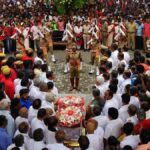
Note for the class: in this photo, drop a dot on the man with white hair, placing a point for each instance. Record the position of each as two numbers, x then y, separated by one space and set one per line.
100 85
5 110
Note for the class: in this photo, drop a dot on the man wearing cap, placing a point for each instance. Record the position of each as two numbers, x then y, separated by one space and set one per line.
104 32
74 58
131 30
95 55
86 35
9 85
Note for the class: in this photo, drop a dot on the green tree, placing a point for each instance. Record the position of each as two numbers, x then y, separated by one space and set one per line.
64 6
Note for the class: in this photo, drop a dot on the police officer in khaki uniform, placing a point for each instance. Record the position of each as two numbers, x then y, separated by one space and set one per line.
131 30
74 59
86 34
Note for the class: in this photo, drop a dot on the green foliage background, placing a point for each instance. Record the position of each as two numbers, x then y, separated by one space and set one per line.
64 6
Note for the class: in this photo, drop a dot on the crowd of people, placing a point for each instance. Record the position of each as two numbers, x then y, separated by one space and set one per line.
118 116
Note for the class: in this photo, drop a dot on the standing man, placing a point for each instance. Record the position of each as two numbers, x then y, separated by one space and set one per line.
86 35
131 30
139 35
74 58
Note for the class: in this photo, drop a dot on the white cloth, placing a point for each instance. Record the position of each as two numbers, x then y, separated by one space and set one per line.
10 122
17 81
56 146
118 98
34 145
113 128
50 137
13 145
78 30
109 103
127 57
46 104
102 89
37 59
26 37
96 141
123 113
19 120
25 135
36 123
18 88
133 119
32 113
102 121
36 33
135 101
131 140
123 85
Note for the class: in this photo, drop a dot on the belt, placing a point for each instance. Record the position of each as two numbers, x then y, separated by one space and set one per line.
131 32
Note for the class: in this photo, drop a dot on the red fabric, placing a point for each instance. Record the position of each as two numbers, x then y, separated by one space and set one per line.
9 87
142 124
146 67
25 58
147 30
13 74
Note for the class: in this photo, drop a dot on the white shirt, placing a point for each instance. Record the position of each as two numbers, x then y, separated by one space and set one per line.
123 113
123 85
34 145
36 123
96 141
78 30
37 59
36 33
13 145
127 57
25 135
102 121
10 122
113 128
17 81
118 98
50 137
102 89
133 119
32 113
114 56
109 103
46 104
18 88
135 101
131 140
57 146
19 120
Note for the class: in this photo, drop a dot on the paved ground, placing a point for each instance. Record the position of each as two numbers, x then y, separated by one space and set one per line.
62 80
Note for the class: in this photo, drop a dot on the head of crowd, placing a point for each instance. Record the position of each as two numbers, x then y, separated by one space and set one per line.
118 115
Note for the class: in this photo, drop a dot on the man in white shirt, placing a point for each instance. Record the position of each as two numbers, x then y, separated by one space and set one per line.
23 117
36 34
100 85
33 110
115 124
110 102
60 137
123 111
5 111
130 139
134 97
101 120
39 57
127 80
37 142
132 111
38 122
114 55
95 137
